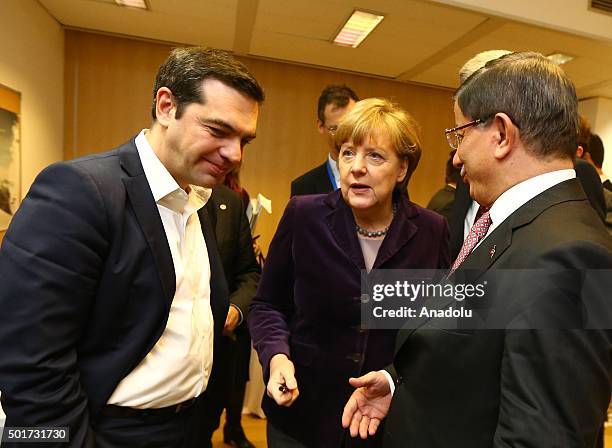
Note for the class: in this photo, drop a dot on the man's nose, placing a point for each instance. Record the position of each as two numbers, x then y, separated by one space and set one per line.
457 162
232 151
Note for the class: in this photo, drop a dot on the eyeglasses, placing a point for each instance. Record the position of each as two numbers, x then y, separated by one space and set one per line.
454 138
332 129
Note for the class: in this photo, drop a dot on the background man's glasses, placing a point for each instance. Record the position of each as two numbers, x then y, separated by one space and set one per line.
454 138
331 129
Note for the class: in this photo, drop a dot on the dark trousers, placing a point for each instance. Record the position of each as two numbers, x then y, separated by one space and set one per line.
149 431
227 384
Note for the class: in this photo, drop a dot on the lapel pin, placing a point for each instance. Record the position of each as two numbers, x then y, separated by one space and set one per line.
492 251
223 206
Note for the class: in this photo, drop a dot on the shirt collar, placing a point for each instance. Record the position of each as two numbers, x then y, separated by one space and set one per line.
521 193
166 191
334 167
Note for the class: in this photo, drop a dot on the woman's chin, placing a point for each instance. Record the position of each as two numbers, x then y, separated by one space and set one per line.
360 203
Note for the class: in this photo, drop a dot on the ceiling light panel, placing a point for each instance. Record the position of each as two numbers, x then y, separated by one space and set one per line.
141 4
357 28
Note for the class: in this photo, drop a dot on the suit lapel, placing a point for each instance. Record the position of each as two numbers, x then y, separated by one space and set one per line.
341 224
146 212
219 301
401 231
322 180
500 239
493 247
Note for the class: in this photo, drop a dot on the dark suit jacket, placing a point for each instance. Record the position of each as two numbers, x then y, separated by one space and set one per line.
315 181
507 388
442 202
308 305
234 242
87 284
586 174
233 236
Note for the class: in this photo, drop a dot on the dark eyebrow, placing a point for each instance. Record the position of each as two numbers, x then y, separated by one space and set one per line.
226 126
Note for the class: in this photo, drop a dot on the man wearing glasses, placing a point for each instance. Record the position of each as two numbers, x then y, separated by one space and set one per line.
526 386
334 102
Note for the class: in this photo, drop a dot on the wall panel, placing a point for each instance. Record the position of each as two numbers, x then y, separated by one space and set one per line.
108 93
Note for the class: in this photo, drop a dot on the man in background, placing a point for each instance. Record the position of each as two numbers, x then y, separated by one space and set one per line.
232 351
334 102
442 201
594 154
113 290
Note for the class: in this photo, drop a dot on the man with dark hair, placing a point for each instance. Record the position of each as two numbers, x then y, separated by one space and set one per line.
465 210
541 379
113 291
334 102
442 201
594 154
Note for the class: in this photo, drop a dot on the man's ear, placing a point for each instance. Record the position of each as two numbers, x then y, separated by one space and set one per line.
580 152
321 127
165 107
507 135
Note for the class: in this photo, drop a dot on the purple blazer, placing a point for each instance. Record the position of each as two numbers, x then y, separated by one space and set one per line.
307 305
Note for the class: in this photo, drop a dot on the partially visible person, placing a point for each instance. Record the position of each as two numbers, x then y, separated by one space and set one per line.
586 172
442 201
305 319
333 103
112 286
594 154
543 381
230 372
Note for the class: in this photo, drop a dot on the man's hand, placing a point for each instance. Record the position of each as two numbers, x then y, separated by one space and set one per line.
282 386
232 320
368 405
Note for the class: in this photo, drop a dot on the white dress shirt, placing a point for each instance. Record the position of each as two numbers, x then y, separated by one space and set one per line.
178 367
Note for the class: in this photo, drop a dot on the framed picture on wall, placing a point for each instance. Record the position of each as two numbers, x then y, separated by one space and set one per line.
10 154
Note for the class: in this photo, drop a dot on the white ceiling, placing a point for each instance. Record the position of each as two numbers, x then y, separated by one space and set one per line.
418 41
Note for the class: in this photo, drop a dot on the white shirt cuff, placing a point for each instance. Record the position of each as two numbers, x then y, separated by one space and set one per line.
390 380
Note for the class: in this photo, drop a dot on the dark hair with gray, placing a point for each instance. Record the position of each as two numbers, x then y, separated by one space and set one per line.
535 93
338 95
185 69
595 147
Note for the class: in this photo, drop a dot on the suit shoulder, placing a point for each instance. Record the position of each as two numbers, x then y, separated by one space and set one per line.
317 171
567 223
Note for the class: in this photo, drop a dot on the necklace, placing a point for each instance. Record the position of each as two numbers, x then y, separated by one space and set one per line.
375 233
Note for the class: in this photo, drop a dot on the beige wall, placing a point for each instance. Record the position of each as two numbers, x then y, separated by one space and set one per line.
32 63
108 95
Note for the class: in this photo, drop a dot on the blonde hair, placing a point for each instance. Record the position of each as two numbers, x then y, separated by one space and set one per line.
378 115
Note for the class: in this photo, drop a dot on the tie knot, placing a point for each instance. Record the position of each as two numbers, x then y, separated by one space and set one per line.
481 211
